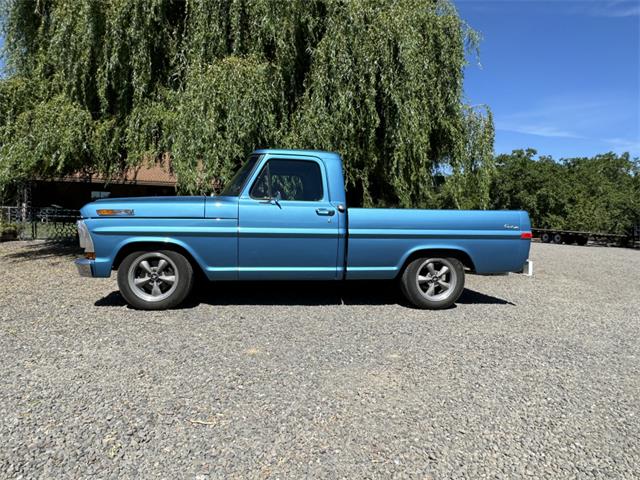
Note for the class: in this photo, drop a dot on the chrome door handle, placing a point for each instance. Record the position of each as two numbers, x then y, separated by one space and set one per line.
328 212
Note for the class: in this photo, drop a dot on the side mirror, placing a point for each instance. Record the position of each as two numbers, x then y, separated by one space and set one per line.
275 200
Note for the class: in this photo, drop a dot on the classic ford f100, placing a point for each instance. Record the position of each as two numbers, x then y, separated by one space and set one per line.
283 216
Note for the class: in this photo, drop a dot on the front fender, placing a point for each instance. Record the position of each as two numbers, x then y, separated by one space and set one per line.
212 243
103 265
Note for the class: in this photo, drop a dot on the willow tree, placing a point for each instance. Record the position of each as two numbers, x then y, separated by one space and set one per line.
102 85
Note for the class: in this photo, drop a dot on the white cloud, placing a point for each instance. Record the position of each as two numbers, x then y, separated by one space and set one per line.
624 144
571 118
538 130
596 8
615 8
555 117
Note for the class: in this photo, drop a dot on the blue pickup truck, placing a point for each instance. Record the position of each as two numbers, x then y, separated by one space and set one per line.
283 216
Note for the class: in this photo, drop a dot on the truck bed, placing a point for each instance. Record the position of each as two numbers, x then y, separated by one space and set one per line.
380 240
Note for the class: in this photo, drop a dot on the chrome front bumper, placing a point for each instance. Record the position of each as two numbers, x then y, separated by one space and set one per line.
84 267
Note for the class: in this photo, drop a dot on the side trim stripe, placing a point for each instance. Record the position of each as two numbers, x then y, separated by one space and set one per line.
448 234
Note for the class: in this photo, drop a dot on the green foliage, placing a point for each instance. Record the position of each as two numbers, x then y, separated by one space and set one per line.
604 193
599 194
9 229
468 185
105 84
385 88
226 110
49 139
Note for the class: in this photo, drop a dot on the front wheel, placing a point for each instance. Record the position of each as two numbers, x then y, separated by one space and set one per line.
155 280
433 282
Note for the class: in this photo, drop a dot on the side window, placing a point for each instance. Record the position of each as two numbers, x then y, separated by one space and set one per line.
294 179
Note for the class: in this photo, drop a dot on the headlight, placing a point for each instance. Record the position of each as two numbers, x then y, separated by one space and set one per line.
85 237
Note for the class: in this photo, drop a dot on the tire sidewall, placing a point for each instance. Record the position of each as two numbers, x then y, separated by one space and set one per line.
411 291
185 281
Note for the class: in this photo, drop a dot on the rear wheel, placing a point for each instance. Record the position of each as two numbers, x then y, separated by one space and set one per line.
557 238
545 237
155 280
433 282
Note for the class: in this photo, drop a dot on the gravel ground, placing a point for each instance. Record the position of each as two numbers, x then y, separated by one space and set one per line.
525 376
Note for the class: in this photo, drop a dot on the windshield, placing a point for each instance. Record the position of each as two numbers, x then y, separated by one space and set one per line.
235 185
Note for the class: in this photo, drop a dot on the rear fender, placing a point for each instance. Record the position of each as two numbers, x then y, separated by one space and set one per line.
458 252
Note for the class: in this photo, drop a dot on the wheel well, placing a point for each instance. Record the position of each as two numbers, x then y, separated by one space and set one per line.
441 252
146 246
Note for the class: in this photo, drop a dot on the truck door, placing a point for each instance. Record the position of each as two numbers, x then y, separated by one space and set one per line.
288 229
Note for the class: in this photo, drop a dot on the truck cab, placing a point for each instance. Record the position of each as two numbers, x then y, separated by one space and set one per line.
291 217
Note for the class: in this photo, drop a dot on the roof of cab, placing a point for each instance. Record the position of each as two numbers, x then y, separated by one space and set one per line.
325 155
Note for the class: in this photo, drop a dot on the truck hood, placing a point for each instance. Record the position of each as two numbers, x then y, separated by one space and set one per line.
148 207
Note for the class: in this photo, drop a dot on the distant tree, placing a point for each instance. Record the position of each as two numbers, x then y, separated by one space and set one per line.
593 194
603 194
105 84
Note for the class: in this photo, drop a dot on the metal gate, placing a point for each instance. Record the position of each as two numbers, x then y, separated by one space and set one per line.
49 223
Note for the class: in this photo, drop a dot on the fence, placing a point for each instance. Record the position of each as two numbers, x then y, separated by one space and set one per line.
49 223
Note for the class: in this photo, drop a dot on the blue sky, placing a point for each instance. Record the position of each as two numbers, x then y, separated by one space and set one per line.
560 76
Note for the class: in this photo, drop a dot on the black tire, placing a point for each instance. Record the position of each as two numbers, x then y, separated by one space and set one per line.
557 238
582 240
175 267
545 237
410 282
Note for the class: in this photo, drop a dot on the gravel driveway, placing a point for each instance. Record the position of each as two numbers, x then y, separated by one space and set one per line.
525 376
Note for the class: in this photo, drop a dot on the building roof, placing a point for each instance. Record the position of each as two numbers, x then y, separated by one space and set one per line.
156 174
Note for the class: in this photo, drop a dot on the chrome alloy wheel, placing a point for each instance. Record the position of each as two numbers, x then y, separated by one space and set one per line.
153 276
436 279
